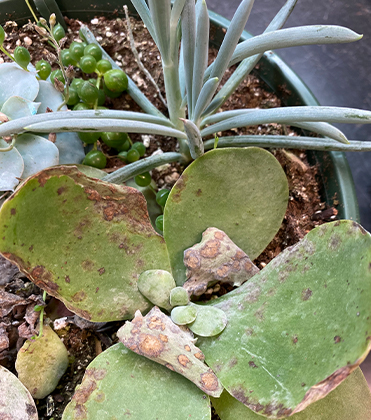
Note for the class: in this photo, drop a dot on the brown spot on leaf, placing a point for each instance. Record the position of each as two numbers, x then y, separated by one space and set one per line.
13 211
150 345
61 190
86 388
337 339
67 279
155 323
233 362
295 339
87 265
223 271
199 192
199 356
169 366
97 374
101 271
183 360
210 249
100 396
79 296
30 410
335 242
92 194
219 234
43 177
164 338
209 381
191 260
252 364
306 294
44 278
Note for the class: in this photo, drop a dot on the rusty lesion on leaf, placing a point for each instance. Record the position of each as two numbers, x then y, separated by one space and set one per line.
216 258
306 294
156 337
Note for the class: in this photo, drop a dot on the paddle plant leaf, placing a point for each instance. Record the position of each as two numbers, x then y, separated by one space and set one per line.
210 321
183 315
179 297
15 81
37 152
104 236
16 402
11 167
119 384
242 192
156 337
216 258
298 328
350 400
41 362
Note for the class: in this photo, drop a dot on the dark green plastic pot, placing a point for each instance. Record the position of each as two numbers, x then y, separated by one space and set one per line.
333 166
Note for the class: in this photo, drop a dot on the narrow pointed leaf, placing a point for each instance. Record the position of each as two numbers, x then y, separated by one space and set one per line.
188 47
243 192
195 142
205 97
143 11
160 11
350 400
16 402
201 49
298 328
290 115
231 39
308 143
97 283
156 337
99 125
147 390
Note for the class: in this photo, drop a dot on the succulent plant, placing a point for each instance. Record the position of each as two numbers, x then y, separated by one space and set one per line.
287 335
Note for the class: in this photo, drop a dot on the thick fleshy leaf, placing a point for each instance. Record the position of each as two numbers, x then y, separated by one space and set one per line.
49 97
156 337
156 286
119 383
242 192
41 362
300 326
183 315
11 168
71 149
351 400
16 402
15 81
216 258
18 107
210 321
37 153
179 297
86 243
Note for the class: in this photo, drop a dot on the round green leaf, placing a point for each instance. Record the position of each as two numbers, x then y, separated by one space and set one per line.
183 315
120 383
242 192
210 321
11 167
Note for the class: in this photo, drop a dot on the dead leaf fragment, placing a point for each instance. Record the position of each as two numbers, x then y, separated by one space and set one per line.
156 337
216 258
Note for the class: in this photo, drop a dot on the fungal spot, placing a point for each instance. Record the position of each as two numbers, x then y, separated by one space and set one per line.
100 396
211 249
337 339
156 323
101 271
183 360
306 294
249 331
191 260
187 348
199 192
67 279
303 384
164 338
233 362
13 211
61 190
30 410
79 296
150 345
92 194
295 339
87 265
219 235
209 381
169 366
199 356
252 364
335 242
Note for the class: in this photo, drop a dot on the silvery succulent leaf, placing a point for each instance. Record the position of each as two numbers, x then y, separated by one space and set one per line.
18 107
49 97
15 81
70 148
37 153
11 168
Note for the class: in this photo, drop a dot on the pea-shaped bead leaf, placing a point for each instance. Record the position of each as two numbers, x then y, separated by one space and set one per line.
242 192
86 243
300 326
120 384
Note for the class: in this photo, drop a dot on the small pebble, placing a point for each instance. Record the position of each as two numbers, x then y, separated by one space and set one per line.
94 21
27 41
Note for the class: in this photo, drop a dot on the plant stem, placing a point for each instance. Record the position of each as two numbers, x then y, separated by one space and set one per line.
41 320
6 53
140 166
11 145
32 12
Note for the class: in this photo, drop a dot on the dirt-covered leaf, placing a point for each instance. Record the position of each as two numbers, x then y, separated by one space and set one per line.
121 384
41 362
351 400
300 326
156 337
242 192
216 258
85 244
16 402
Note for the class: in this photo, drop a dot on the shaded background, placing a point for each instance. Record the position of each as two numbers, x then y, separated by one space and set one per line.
338 75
